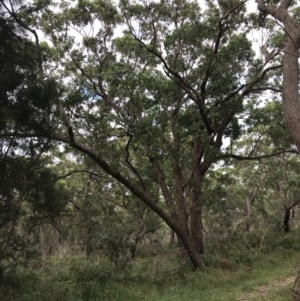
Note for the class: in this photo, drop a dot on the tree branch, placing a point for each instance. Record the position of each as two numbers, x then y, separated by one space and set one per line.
37 43
180 80
293 205
66 122
285 4
75 171
247 158
127 155
71 201
162 184
279 13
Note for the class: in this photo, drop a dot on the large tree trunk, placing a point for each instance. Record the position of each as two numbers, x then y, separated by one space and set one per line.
290 93
196 226
171 221
181 205
196 218
287 216
292 114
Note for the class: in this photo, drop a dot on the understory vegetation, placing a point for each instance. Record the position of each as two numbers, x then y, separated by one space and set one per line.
234 271
149 150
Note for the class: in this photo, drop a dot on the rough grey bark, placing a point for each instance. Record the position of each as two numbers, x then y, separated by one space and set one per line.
196 216
290 94
287 216
249 202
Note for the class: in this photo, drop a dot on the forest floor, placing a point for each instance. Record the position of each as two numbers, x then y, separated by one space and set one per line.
263 290
250 276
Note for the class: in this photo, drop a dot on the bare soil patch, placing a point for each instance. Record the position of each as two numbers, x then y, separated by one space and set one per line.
264 289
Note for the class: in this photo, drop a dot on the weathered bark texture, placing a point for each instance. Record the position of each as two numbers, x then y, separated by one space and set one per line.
290 94
249 202
287 215
196 223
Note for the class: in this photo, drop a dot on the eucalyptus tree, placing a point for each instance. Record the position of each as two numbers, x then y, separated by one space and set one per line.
24 193
101 214
152 105
254 195
286 12
269 176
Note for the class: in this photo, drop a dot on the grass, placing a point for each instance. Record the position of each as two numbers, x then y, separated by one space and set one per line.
223 285
155 279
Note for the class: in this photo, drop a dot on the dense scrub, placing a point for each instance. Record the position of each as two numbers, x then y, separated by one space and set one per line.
233 269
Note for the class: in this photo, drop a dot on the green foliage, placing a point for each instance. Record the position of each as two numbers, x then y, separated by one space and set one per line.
156 104
29 197
81 279
113 238
282 241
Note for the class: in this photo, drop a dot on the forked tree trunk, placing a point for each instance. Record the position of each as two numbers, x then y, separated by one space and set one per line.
171 221
196 214
287 216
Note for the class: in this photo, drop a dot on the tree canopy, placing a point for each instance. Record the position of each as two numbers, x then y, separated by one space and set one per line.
155 93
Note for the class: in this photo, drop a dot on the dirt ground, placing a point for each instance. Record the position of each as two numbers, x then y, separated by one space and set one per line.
264 289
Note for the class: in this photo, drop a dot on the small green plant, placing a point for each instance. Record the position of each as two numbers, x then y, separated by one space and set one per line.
239 272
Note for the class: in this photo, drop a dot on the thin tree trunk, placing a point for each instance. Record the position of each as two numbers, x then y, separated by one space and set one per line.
172 237
286 221
249 202
248 213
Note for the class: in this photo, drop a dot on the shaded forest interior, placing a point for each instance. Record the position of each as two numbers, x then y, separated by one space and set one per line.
149 146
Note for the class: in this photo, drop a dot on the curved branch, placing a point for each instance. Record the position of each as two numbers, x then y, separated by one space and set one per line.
248 158
266 88
72 202
75 171
280 13
180 80
37 43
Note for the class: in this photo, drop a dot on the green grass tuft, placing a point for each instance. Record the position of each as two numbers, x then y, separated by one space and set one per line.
157 278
